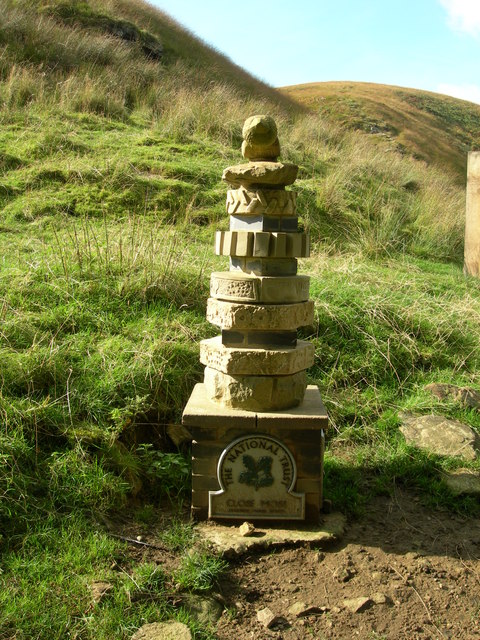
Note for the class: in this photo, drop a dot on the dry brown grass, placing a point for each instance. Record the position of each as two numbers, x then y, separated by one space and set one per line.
425 135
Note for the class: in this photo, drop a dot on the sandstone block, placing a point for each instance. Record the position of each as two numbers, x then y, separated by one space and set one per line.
231 315
274 174
255 393
260 130
239 287
262 362
262 244
261 151
273 202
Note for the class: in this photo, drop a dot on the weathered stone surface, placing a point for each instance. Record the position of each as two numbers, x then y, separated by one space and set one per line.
227 540
273 202
246 529
463 481
357 605
260 130
262 244
267 618
203 609
262 362
231 315
261 151
178 434
239 287
163 631
255 393
465 395
439 435
263 174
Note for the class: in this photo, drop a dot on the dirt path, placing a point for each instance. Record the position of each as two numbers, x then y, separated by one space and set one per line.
420 571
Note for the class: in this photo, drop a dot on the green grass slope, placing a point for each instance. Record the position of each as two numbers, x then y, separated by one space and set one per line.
435 128
110 192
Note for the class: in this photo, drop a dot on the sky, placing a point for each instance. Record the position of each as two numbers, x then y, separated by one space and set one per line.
423 44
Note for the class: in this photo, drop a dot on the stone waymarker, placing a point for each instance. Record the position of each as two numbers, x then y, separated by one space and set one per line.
472 218
258 431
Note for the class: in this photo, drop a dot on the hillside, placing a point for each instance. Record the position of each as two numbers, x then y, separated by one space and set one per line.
115 127
435 128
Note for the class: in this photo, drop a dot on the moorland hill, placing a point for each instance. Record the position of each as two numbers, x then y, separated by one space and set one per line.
435 128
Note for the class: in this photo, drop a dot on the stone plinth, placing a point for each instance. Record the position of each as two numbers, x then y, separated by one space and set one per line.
216 429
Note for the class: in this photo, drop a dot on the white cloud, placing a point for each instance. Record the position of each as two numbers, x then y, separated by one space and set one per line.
463 15
469 92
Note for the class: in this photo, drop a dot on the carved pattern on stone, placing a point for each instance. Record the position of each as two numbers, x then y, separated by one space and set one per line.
227 285
261 202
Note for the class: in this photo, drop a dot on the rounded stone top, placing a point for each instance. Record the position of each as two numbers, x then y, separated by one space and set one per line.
260 130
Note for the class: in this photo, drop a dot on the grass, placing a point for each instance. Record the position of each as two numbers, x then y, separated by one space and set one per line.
110 192
437 129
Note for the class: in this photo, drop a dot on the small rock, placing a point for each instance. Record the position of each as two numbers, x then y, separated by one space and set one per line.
139 538
463 481
170 630
357 605
268 618
439 435
300 609
246 529
100 590
381 598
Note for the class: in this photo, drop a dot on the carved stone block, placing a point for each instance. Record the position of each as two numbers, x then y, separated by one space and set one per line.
263 362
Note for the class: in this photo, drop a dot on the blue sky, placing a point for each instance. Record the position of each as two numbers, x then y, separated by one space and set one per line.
426 44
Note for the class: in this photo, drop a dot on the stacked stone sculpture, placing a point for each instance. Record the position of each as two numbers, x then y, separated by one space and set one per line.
257 429
257 363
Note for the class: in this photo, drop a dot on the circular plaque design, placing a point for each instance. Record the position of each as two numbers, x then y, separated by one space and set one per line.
257 474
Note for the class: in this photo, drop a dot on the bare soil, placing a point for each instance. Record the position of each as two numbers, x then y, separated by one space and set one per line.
425 565
420 570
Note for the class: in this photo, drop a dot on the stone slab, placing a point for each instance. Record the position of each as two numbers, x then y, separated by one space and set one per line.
231 315
439 435
228 541
201 412
276 174
261 202
262 244
239 287
256 361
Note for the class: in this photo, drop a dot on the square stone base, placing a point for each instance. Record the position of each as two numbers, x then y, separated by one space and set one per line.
214 428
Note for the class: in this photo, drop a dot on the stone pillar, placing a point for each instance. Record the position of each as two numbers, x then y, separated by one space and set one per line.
258 431
472 218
